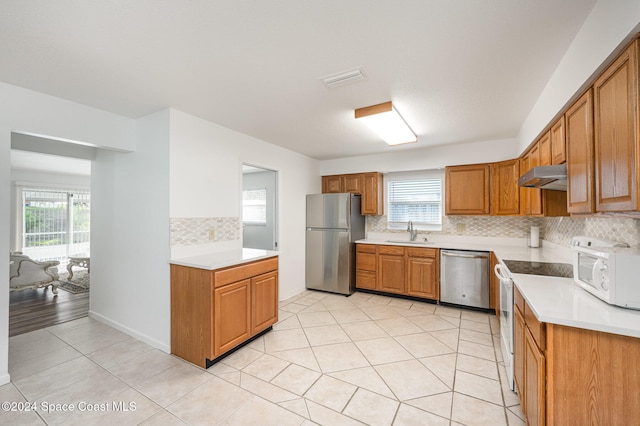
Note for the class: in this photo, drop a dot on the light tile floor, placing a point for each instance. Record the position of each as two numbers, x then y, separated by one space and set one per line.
330 360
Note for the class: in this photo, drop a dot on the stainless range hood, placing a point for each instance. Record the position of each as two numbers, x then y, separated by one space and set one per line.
545 177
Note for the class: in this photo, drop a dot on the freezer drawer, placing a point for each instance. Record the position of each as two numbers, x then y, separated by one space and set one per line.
330 261
464 278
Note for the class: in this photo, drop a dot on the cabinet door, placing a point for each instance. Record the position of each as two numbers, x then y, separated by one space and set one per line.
354 183
544 145
372 199
331 184
535 195
391 270
519 355
467 190
558 146
534 382
422 277
505 193
264 301
232 316
580 174
494 289
615 125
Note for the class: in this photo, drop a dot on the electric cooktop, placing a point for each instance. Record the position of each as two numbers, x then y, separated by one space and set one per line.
549 269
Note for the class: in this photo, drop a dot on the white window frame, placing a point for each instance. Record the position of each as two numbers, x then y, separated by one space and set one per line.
414 175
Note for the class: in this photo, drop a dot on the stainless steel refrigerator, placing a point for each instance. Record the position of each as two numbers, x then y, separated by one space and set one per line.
334 223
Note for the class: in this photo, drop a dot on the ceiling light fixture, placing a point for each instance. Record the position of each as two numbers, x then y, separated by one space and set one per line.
387 123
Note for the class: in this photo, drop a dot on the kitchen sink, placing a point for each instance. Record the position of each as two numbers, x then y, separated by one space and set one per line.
421 243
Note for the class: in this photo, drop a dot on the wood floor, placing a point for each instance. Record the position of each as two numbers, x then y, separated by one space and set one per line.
31 310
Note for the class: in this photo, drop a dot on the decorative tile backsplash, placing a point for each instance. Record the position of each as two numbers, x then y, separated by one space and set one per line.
557 230
186 231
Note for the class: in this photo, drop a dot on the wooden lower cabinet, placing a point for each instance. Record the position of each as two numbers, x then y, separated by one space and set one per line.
423 272
212 312
409 271
572 376
231 316
391 270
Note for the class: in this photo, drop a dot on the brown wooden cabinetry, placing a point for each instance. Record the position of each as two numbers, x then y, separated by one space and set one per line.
544 146
558 142
423 272
580 158
369 185
213 312
494 289
616 133
410 271
467 190
391 269
567 375
505 195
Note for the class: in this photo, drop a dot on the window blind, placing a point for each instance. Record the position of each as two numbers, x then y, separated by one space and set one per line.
254 206
418 200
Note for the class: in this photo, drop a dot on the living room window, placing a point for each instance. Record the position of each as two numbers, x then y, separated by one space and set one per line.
415 196
55 222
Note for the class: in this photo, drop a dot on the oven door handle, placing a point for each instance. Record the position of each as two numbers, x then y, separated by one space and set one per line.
501 273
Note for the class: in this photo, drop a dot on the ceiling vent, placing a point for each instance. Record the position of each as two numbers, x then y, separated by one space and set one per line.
343 78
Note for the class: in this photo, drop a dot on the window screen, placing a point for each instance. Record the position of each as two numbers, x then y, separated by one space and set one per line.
418 200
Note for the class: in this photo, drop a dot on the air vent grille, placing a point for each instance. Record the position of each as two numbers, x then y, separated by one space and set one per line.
343 78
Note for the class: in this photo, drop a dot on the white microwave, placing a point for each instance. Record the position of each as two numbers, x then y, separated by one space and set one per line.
610 273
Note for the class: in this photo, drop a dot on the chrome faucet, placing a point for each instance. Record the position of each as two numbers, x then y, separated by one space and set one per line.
413 233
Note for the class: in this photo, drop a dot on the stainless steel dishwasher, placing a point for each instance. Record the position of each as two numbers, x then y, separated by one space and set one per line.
464 278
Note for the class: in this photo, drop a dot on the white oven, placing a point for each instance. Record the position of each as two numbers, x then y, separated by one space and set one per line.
506 319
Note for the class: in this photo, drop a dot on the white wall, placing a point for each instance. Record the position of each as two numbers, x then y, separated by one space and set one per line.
36 177
30 112
610 24
436 157
130 235
206 173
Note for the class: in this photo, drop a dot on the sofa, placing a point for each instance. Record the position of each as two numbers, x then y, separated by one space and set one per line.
25 273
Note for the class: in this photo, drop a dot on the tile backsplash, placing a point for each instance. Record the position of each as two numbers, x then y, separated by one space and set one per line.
557 230
186 231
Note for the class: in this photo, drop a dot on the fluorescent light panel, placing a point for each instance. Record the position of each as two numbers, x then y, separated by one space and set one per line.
386 122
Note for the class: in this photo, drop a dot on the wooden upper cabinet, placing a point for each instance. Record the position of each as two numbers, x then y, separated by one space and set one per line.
580 173
544 149
372 194
369 185
467 190
331 184
615 98
505 194
354 183
558 142
535 195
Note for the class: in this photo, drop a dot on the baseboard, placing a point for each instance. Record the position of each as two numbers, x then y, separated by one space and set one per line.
4 379
131 332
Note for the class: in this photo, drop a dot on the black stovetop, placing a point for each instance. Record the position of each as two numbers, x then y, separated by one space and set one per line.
549 269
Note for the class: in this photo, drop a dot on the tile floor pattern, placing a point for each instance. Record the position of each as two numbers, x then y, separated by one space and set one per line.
330 360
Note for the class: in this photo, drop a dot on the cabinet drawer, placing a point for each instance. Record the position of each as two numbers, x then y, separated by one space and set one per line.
391 250
365 248
366 279
366 262
422 252
238 273
536 327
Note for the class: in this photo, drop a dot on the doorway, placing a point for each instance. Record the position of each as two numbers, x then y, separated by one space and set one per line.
259 208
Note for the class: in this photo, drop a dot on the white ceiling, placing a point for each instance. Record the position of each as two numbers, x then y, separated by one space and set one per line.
458 71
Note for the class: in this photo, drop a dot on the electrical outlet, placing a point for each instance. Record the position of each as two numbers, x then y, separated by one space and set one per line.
212 233
461 227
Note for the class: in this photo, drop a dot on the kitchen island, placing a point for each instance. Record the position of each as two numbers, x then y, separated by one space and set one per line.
220 301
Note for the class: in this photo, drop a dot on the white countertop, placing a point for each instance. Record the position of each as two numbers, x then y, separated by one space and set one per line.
222 259
553 300
561 301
